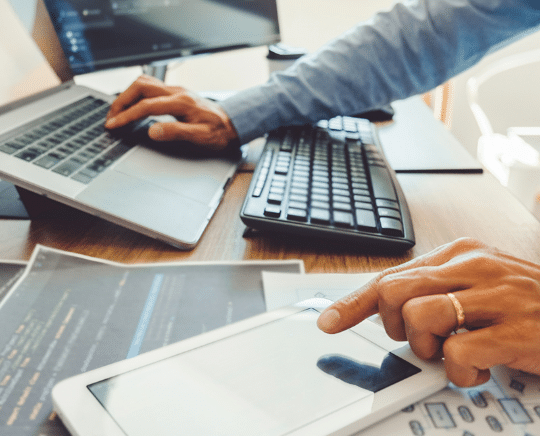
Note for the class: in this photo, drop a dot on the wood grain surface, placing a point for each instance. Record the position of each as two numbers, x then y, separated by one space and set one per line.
443 206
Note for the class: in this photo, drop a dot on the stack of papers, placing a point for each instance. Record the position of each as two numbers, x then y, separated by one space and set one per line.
63 314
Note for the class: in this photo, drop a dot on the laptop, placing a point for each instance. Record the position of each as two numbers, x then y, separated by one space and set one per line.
52 143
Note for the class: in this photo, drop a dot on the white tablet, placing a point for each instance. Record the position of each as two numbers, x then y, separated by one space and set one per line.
270 375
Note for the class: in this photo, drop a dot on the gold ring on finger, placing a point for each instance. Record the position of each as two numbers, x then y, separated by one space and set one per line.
460 313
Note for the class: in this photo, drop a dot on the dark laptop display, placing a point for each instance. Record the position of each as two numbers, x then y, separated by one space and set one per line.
111 33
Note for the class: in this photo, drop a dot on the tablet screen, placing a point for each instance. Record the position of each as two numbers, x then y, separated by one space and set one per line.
274 378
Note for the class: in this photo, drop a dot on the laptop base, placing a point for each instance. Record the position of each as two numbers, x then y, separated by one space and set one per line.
38 206
11 205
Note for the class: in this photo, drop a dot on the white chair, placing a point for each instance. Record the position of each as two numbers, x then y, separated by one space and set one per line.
504 98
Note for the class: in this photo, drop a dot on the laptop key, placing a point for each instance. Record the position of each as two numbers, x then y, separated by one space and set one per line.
68 168
16 144
29 154
8 148
83 178
47 161
25 139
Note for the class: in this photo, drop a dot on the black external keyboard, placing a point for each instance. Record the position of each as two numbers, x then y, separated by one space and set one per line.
331 181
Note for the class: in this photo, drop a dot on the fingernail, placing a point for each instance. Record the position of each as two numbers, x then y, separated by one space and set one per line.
110 122
328 320
156 131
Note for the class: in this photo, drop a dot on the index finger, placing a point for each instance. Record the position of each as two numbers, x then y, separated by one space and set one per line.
143 87
364 302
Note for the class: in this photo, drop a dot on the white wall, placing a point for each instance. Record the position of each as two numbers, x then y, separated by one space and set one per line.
25 10
463 124
23 68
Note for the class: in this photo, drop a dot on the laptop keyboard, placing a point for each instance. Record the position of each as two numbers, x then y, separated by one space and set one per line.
71 142
330 180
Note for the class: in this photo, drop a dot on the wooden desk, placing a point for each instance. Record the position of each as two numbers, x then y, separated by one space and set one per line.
444 207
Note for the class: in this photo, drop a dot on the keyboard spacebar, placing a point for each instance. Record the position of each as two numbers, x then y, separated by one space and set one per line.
382 183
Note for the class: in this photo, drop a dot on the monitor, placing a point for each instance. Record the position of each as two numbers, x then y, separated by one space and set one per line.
104 34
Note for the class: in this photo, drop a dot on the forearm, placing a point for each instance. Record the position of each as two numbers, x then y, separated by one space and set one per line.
408 50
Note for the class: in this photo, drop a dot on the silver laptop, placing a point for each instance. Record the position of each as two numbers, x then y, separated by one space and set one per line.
54 144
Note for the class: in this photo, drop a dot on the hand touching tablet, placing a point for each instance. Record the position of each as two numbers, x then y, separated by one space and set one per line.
493 296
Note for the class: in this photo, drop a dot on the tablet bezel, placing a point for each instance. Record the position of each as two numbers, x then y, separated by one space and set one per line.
83 415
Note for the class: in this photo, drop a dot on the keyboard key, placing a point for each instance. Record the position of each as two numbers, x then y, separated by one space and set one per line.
382 184
298 205
359 205
360 185
16 144
362 198
321 185
273 211
25 139
320 216
335 124
301 172
320 197
275 198
320 204
391 226
80 177
281 169
391 204
390 213
336 205
320 191
299 184
299 191
515 411
68 168
278 184
341 198
321 179
88 173
343 219
28 154
47 161
297 214
300 180
321 173
440 415
298 198
8 148
365 220
277 190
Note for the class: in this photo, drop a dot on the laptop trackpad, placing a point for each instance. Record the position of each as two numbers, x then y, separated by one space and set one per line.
146 205
198 179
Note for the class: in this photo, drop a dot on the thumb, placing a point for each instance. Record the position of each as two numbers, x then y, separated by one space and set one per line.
164 132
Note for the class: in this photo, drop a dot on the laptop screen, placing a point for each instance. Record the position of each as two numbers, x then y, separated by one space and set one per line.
110 33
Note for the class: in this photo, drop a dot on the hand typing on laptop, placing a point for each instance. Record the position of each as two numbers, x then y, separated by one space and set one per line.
496 306
200 120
